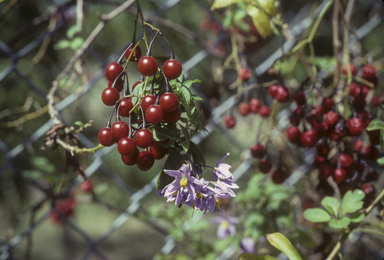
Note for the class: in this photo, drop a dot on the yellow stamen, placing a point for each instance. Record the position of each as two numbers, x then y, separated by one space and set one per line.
175 193
199 195
217 202
225 224
193 205
183 182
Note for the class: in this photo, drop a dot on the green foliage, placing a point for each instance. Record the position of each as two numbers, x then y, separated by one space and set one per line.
332 205
352 201
317 215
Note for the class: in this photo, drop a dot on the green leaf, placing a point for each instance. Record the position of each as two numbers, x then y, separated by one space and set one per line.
340 256
339 223
248 256
223 3
332 205
282 243
352 201
317 215
197 98
61 45
188 83
375 124
195 152
43 164
76 43
186 135
72 31
380 161
79 123
239 14
162 133
260 20
356 217
101 188
186 93
174 162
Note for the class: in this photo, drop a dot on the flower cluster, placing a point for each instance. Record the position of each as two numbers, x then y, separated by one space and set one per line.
193 190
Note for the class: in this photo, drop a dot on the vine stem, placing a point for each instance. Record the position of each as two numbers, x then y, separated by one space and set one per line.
236 58
349 229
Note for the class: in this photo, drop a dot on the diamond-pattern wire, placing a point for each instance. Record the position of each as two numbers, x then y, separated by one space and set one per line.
97 162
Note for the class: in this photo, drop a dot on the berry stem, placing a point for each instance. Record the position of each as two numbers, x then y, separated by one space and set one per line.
153 84
142 114
172 56
129 126
110 117
167 86
122 55
126 86
151 43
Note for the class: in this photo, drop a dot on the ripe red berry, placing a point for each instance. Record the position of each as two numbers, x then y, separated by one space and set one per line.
299 98
147 101
358 145
323 149
86 186
258 151
172 117
136 83
350 67
106 137
154 114
120 129
265 166
365 117
346 160
272 90
130 160
172 69
355 126
282 94
126 146
339 175
369 71
143 138
119 84
295 117
135 56
62 208
309 138
243 109
319 160
157 150
230 121
354 89
254 105
373 175
325 170
327 104
279 176
264 111
244 74
145 161
368 189
126 106
110 96
113 70
332 118
293 135
322 129
376 101
147 65
168 102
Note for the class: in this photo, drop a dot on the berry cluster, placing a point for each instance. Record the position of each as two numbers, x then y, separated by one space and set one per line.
62 209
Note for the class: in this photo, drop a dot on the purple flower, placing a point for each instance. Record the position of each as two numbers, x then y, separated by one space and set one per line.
226 226
222 170
247 245
223 189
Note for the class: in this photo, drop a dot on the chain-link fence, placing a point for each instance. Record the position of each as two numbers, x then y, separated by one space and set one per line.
297 25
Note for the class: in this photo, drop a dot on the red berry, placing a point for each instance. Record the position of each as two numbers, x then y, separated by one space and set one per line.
130 160
265 166
157 150
327 104
147 101
300 98
368 189
120 129
332 118
296 116
373 175
110 96
358 145
126 146
339 175
323 149
147 65
319 160
230 121
172 69
143 138
355 126
254 105
370 152
136 83
354 89
113 70
376 101
351 68
293 135
106 137
258 151
346 160
126 106
243 109
86 186
154 114
322 129
309 138
325 170
264 111
172 117
168 102
135 56
244 74
282 94
365 117
119 84
369 71
62 208
279 176
272 90
145 161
